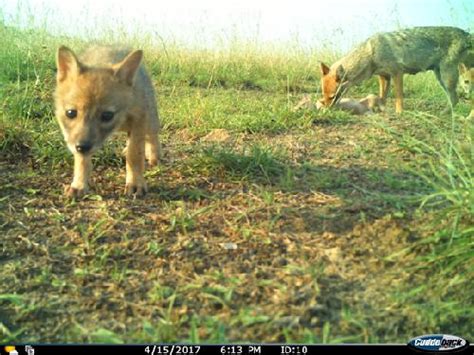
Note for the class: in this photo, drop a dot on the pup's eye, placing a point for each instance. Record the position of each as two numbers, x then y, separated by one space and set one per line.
71 114
466 82
107 116
331 97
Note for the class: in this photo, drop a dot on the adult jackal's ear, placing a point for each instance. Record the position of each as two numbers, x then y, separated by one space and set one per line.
67 63
324 69
127 68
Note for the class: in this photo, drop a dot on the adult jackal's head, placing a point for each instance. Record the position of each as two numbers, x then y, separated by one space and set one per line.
333 83
91 102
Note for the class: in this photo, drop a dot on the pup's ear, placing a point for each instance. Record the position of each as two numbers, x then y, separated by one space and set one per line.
324 68
462 68
127 68
67 63
340 73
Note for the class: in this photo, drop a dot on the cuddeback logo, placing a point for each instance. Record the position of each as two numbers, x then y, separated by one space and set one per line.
438 343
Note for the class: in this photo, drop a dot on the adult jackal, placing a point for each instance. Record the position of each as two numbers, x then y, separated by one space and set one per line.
393 54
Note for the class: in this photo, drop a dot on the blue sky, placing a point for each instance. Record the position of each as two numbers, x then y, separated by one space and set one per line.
337 24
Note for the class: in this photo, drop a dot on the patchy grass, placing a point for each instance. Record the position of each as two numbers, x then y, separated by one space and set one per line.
261 224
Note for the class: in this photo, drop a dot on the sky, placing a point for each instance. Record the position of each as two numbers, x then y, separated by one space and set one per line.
208 23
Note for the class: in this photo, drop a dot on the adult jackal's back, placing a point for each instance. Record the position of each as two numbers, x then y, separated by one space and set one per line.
392 54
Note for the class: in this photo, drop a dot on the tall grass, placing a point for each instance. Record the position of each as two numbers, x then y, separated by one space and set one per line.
445 161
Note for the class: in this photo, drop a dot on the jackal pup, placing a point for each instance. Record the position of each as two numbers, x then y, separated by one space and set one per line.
466 81
368 105
103 91
393 54
466 84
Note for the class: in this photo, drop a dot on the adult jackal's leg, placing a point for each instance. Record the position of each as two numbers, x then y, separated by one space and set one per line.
384 87
398 81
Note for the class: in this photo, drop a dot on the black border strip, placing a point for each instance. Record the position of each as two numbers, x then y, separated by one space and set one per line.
221 349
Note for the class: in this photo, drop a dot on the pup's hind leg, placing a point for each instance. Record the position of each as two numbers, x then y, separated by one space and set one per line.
135 183
152 148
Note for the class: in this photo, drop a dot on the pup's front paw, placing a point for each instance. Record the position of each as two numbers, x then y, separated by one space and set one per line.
74 192
136 189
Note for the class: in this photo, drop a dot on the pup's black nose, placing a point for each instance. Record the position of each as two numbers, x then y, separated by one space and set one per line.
83 147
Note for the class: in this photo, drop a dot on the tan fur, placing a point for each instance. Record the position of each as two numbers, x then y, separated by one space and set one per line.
466 83
305 103
373 103
352 106
106 91
393 54
466 79
369 104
